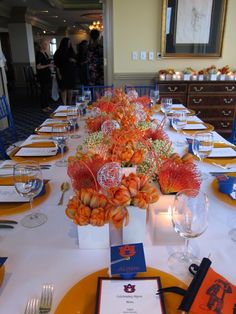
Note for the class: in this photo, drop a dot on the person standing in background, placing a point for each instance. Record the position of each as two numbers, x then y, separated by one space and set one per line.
43 67
82 59
65 62
95 59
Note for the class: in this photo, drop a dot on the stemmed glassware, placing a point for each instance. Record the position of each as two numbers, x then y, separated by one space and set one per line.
154 96
73 114
190 219
179 121
87 96
60 136
202 146
28 183
166 105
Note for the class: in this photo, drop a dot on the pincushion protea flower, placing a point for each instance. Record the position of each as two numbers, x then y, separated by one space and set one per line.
176 175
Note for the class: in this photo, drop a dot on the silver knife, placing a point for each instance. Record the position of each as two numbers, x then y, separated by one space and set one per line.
6 227
5 221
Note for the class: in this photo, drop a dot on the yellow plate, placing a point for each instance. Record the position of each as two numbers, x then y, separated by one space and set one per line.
223 197
221 161
81 298
16 208
157 108
2 272
209 127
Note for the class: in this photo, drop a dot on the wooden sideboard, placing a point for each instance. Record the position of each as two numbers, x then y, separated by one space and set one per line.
213 101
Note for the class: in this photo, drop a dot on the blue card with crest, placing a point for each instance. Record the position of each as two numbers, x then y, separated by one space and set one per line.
127 258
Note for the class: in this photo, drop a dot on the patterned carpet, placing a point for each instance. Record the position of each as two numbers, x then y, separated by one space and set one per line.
26 112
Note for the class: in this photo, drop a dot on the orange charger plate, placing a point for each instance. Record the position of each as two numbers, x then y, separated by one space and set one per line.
2 272
81 298
16 208
221 161
223 197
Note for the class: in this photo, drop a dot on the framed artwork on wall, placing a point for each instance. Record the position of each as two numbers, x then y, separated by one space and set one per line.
193 28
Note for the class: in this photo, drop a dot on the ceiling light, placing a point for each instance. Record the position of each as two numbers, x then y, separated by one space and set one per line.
64 21
96 25
44 32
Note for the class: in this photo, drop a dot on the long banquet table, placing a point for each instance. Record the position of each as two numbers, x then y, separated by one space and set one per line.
50 253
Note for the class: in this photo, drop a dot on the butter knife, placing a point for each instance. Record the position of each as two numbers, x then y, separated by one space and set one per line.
5 221
6 227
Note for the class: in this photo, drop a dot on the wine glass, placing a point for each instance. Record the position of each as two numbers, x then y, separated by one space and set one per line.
154 96
190 219
73 114
202 144
179 121
87 96
166 104
60 136
28 183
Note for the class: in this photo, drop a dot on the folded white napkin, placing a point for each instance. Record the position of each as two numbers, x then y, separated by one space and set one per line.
222 152
36 151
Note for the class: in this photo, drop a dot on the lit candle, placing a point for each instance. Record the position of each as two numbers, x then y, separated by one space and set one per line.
194 77
174 77
231 76
162 77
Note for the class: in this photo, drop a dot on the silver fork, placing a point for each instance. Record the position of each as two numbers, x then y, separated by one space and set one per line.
226 167
46 299
32 306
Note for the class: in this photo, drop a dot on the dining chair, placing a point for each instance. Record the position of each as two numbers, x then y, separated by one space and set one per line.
142 90
8 133
232 138
97 91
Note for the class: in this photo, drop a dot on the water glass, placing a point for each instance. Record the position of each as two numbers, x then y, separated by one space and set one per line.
87 96
60 136
179 120
28 183
202 144
166 105
189 216
73 114
154 96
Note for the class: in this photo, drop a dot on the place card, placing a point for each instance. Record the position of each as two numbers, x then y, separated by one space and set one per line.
195 126
222 152
8 194
60 114
129 296
36 151
128 258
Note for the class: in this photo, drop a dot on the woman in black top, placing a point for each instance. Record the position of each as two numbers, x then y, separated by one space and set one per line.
43 65
65 62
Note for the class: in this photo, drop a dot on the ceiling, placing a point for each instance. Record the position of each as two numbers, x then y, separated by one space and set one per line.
53 15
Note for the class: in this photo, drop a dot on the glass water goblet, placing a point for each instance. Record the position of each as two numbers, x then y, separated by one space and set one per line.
154 96
28 183
73 115
202 146
60 136
179 121
87 96
166 105
190 219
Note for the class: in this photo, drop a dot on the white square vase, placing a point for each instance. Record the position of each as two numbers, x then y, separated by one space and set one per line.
213 77
187 77
135 231
128 170
222 77
91 237
200 77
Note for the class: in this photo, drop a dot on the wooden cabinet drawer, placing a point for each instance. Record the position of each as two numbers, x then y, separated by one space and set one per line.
218 113
173 88
223 125
176 99
212 88
200 100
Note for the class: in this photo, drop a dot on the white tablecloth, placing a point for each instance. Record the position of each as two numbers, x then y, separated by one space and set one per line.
50 253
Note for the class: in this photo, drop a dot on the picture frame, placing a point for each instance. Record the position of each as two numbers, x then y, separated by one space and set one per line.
192 28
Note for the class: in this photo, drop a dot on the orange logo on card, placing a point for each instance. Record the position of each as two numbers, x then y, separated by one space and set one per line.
127 251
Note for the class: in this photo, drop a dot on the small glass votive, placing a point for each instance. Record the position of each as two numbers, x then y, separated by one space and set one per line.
162 77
